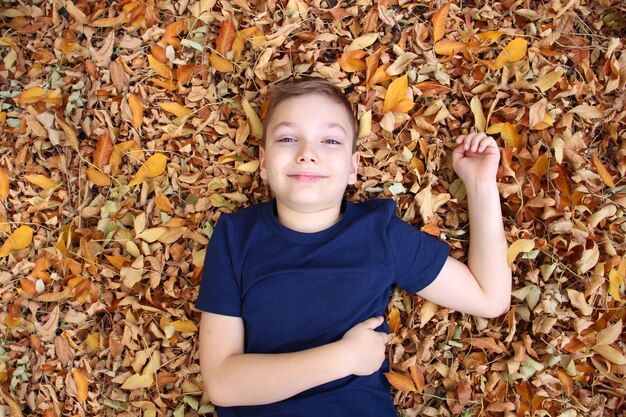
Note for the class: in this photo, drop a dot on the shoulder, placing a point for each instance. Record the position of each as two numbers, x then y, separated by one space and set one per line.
241 220
379 209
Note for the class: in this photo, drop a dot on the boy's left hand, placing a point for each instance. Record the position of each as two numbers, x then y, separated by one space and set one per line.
476 158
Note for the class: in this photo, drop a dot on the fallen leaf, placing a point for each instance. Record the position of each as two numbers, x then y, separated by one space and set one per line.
362 42
256 127
4 185
82 385
176 109
517 247
480 122
439 22
138 381
136 108
400 382
225 39
395 92
513 52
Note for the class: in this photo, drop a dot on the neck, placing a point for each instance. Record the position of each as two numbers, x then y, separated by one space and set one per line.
308 222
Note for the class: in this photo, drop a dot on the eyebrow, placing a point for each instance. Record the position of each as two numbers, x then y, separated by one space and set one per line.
327 125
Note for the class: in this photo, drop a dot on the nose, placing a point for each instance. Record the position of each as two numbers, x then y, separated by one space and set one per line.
306 154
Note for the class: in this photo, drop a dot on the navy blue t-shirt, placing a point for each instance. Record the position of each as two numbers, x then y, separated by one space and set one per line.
295 291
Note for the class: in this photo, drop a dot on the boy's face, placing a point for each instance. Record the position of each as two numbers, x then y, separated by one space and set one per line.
308 159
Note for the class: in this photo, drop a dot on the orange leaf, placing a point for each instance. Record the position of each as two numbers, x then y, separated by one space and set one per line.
98 177
169 85
163 203
225 39
510 136
136 108
400 382
117 261
174 29
489 37
394 320
158 52
602 171
513 52
219 63
439 22
418 377
487 343
104 147
82 386
380 75
154 166
541 166
351 61
4 185
396 92
447 47
28 287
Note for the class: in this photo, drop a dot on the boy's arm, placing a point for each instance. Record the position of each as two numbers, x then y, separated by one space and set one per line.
483 289
232 378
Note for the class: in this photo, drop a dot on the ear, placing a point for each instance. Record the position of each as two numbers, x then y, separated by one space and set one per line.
262 171
354 166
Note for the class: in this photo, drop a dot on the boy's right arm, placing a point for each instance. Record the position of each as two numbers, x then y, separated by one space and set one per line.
232 378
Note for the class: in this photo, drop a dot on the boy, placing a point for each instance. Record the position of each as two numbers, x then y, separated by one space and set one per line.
294 289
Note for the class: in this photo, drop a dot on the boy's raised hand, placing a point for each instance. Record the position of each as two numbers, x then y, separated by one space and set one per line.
365 347
476 158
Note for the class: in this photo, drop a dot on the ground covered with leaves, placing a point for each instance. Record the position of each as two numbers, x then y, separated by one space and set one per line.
128 127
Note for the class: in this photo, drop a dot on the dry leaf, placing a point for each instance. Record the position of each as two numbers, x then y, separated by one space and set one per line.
400 382
513 52
396 92
517 247
439 22
138 381
136 108
98 177
365 125
447 47
103 151
4 185
480 122
225 39
153 167
248 166
19 239
82 385
176 109
362 42
610 334
394 320
219 63
256 127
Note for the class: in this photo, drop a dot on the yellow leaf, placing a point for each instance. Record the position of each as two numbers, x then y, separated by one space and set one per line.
31 96
609 334
489 37
163 203
510 136
517 247
400 382
610 353
136 108
93 341
41 181
19 239
151 235
615 283
547 81
394 320
155 165
495 128
116 261
82 385
184 326
362 41
602 171
256 127
365 125
248 166
4 185
98 177
6 41
219 63
138 381
447 47
70 135
513 52
176 109
160 68
396 92
480 122
439 22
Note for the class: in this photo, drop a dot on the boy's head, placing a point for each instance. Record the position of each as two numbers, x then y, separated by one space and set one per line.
308 151
307 86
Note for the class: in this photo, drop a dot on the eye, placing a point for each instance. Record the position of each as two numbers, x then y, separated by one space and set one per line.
286 139
332 142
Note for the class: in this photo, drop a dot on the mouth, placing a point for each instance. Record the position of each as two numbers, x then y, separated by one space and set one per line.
306 176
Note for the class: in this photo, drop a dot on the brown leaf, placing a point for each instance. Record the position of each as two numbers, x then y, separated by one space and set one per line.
224 41
487 343
103 151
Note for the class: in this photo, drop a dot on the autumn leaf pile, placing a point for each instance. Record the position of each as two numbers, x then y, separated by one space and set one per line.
128 127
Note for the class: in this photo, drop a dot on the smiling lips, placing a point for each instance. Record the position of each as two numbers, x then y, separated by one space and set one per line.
307 176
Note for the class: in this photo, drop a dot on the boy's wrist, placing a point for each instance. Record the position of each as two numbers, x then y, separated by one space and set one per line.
478 187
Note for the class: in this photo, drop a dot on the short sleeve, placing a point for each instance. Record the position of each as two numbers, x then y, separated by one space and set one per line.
219 289
419 256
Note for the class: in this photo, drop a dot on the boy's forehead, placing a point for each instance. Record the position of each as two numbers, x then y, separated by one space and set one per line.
288 106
